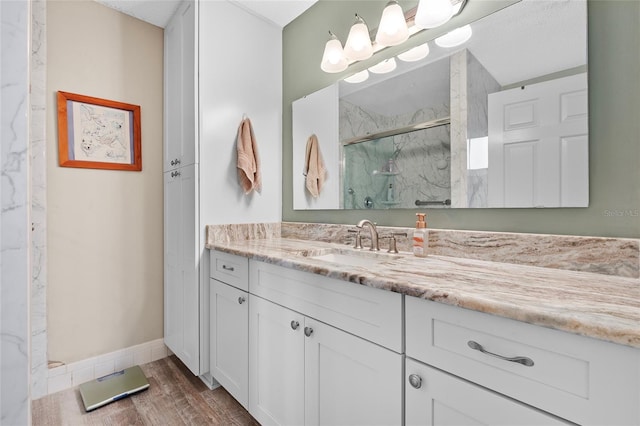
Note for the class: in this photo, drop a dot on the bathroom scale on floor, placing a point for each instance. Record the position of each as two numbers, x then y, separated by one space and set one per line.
112 387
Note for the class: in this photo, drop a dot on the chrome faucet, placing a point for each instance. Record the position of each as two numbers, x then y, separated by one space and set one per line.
373 230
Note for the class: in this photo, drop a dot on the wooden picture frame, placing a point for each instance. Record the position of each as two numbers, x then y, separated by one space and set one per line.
96 133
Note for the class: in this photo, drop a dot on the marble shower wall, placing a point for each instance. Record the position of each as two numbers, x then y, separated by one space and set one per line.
470 85
14 222
421 159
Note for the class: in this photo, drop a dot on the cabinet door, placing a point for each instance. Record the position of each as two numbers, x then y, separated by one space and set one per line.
276 363
349 380
181 257
229 362
180 88
436 398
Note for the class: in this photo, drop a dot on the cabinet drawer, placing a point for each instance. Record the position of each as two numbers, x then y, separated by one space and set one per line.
581 379
435 398
373 314
230 269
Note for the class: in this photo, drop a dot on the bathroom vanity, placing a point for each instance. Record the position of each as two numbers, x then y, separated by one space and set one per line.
309 332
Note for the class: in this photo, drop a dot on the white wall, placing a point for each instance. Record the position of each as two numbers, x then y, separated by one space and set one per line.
317 113
14 222
105 273
240 73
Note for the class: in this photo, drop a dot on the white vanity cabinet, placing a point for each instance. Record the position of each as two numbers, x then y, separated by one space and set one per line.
307 369
513 364
229 324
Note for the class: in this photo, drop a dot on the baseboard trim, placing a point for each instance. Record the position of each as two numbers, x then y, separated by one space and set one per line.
70 375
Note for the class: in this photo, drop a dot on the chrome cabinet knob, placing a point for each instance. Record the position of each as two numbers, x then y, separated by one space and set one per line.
415 381
241 300
295 324
308 331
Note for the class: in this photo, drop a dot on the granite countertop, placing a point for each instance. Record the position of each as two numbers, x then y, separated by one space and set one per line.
599 306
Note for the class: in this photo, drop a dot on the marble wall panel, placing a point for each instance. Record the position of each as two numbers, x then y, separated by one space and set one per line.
39 368
14 221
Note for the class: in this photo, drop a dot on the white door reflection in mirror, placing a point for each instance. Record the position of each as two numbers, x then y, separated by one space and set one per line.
538 145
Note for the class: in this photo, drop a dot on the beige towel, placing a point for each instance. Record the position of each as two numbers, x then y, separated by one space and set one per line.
248 159
314 168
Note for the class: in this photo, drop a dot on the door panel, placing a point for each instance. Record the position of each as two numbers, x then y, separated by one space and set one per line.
276 364
350 381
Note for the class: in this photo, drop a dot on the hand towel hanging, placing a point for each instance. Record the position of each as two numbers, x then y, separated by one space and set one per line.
314 169
248 161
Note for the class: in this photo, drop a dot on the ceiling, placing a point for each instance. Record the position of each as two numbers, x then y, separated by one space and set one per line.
158 12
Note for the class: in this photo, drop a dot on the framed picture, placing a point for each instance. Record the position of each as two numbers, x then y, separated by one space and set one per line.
97 133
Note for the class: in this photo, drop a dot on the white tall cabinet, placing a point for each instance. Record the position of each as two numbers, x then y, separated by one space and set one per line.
181 190
205 100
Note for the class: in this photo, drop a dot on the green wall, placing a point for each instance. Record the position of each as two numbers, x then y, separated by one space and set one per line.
614 121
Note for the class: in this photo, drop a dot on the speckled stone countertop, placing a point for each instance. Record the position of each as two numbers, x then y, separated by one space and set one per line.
589 304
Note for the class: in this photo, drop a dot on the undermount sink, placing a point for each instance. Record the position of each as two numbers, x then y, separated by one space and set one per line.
353 259
346 259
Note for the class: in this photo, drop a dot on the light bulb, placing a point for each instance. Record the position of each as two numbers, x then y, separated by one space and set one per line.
333 59
358 46
393 28
455 37
433 13
415 54
384 67
358 77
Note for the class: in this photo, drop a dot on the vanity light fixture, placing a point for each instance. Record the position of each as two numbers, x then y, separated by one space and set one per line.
393 29
415 54
358 46
433 13
333 59
384 67
358 77
455 38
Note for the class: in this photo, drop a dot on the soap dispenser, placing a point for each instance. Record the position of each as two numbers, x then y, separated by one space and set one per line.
420 236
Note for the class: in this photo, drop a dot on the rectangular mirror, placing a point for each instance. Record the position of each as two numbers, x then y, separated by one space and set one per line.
499 121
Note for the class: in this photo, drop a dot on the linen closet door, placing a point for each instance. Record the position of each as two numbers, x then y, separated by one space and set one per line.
181 271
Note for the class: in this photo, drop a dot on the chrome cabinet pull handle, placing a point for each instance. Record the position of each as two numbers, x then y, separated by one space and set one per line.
228 268
295 324
308 331
517 359
177 161
415 381
241 300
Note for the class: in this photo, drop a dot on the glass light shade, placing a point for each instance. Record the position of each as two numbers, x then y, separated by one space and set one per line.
433 13
455 37
358 77
333 59
393 28
358 46
415 54
384 67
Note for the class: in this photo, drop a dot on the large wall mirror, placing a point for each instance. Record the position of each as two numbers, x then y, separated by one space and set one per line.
498 121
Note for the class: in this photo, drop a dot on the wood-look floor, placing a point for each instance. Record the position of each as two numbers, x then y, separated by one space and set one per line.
175 397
